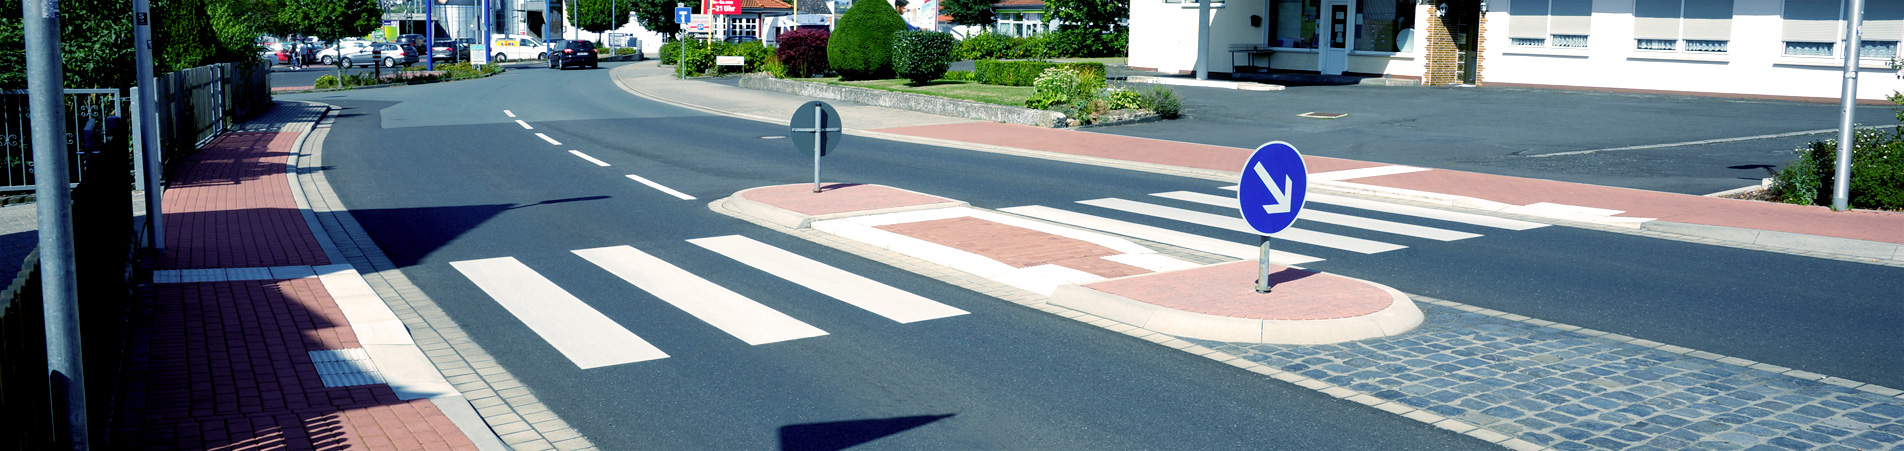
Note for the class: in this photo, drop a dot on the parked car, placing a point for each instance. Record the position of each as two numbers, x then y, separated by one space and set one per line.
388 54
336 52
517 48
563 54
412 39
449 50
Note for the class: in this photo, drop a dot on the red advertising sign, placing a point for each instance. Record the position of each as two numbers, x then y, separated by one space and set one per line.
723 6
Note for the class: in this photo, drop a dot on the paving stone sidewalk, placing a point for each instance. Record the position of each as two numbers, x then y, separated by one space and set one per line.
1571 389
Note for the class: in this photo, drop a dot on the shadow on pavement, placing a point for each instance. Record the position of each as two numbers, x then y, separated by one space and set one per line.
838 435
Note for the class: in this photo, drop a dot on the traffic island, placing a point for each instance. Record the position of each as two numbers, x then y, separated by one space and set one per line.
1219 302
1089 271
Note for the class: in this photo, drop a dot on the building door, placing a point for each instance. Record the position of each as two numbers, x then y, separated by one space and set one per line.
1334 57
1465 25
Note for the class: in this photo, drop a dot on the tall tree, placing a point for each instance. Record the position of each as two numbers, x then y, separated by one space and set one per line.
976 13
1099 15
330 19
658 15
598 15
93 44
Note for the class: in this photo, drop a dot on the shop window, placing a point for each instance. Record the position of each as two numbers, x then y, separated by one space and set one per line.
1382 25
1296 23
743 26
1704 25
1543 23
1814 27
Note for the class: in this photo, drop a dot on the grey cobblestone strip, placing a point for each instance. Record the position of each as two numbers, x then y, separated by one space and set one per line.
511 409
1570 388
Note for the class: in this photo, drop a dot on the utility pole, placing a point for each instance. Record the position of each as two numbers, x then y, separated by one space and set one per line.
59 283
429 30
1841 185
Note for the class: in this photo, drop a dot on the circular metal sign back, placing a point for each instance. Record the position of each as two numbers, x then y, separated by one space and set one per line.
813 119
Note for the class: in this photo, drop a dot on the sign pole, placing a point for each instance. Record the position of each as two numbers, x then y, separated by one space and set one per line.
819 143
1262 268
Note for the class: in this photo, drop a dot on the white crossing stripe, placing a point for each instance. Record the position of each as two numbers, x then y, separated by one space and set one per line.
510 113
547 138
1410 210
589 158
737 315
1332 176
579 332
1335 218
657 186
525 125
1160 235
879 298
1236 223
1430 213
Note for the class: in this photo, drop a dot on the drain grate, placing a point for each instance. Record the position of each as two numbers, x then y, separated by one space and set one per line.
1316 115
345 367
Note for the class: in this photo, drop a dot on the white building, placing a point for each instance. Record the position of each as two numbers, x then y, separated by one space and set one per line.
1747 48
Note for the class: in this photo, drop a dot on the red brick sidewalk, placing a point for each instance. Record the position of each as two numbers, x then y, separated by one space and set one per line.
1879 226
227 364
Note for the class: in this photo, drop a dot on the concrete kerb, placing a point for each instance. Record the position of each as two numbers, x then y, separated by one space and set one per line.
1401 316
794 220
406 369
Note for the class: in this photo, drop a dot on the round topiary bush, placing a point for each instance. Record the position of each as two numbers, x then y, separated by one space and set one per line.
922 56
861 45
803 52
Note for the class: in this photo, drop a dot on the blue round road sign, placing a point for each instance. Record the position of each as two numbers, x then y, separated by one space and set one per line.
1275 184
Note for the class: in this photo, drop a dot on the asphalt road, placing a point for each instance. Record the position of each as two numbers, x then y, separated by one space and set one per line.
438 174
1506 130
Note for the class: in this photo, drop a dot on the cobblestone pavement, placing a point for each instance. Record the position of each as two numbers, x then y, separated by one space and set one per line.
1576 389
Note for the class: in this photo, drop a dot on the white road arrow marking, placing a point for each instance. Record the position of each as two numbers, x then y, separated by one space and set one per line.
1282 197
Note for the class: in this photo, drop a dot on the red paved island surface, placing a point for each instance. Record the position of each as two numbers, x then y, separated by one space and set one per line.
1230 290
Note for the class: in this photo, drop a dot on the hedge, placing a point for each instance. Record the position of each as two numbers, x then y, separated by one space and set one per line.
862 41
922 56
1022 73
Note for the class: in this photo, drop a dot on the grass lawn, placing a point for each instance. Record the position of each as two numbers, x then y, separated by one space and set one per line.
966 90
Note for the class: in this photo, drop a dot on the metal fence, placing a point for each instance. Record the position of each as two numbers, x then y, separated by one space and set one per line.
86 113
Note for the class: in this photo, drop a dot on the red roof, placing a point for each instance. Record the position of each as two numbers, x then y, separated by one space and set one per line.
1020 4
766 4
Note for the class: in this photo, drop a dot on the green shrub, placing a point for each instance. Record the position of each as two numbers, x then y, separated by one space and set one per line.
922 56
1163 101
1077 43
803 52
960 75
1124 99
987 46
754 54
862 41
1022 73
1058 85
326 82
619 51
1877 172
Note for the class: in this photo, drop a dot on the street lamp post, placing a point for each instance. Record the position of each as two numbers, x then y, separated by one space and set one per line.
429 33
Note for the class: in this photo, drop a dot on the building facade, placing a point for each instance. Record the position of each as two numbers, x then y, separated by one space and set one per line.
1754 48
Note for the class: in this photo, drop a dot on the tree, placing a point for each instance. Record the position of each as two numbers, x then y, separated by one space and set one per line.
969 12
658 15
598 15
93 44
184 35
1100 15
862 41
330 19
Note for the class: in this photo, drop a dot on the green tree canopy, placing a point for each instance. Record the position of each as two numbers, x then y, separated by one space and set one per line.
658 15
330 19
1100 15
598 15
969 12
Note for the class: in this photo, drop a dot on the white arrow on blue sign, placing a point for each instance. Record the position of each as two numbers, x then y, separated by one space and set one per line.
1275 184
682 14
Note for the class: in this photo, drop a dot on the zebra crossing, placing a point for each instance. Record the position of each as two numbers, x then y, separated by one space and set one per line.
590 339
1165 210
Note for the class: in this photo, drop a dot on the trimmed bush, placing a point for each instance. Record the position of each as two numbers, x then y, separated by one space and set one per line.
960 75
1079 43
803 52
861 45
922 56
987 46
754 54
1022 73
1877 172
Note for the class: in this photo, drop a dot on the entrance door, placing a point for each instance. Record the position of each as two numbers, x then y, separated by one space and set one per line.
1334 57
1465 24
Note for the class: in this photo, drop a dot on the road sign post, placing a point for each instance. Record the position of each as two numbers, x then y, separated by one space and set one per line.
682 15
1271 193
826 126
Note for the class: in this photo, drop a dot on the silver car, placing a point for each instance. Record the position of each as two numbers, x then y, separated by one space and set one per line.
388 54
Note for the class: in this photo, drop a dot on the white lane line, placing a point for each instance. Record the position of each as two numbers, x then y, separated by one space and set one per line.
1158 234
1702 142
511 114
737 315
1430 213
547 138
525 125
589 158
658 186
884 300
578 331
1335 218
1332 176
1330 240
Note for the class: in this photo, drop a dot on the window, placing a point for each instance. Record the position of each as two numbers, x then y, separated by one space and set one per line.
1295 23
1705 26
1549 23
743 26
1382 25
1815 27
